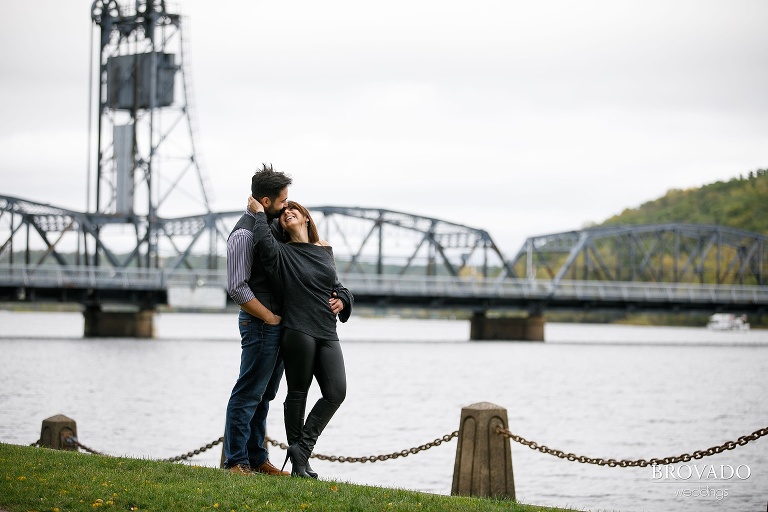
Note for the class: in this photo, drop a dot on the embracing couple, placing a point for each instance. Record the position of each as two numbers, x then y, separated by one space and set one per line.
284 279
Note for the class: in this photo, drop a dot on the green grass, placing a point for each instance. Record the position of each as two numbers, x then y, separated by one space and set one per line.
42 479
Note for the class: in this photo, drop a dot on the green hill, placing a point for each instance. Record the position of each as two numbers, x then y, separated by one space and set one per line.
740 203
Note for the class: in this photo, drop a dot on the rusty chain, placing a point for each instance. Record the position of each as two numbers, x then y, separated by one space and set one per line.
698 454
85 448
373 458
195 452
332 458
177 458
73 440
533 445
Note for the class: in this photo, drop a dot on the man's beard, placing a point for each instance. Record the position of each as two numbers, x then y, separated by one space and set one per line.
273 214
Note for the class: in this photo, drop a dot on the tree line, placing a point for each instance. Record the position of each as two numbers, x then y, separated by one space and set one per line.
740 203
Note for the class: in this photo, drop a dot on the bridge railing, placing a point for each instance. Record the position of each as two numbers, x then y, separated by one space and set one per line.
445 286
667 292
107 278
546 289
81 277
395 285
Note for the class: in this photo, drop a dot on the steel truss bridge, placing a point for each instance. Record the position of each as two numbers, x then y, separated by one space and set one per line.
388 259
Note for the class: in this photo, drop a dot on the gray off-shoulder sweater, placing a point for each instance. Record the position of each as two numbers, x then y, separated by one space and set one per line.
306 275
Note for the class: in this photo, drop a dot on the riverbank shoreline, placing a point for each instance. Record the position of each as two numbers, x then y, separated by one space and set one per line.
44 479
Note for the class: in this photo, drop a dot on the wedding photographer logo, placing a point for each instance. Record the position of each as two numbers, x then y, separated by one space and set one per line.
701 480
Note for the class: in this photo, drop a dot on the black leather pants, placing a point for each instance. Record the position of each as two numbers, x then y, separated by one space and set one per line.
306 357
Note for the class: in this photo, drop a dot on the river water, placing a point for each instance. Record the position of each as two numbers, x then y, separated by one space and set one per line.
606 391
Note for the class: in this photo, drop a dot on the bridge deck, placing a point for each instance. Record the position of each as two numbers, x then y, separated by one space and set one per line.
149 287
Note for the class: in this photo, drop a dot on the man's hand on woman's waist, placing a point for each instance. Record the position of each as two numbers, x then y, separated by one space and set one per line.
336 304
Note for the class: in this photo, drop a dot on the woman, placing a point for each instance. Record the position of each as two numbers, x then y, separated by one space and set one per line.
304 271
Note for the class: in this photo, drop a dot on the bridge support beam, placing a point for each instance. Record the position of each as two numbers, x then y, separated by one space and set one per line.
119 324
530 328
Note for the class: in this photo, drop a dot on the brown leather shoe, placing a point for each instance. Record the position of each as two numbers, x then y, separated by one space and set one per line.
268 469
241 469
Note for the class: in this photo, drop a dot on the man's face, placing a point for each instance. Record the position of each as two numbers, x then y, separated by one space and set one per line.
276 207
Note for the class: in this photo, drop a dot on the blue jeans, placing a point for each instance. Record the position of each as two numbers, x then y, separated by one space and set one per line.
261 368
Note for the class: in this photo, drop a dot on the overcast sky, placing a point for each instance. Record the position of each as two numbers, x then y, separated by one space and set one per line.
523 118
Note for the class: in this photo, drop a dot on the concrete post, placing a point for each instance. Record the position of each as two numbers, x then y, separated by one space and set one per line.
483 464
56 430
120 324
534 328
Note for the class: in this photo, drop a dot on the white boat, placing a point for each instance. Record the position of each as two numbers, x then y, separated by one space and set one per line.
728 322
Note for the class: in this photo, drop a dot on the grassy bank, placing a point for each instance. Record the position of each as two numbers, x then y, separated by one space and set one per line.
48 480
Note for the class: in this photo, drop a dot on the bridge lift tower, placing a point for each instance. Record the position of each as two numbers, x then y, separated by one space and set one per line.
145 164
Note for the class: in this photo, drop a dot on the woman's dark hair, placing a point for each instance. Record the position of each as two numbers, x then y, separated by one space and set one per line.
267 182
314 236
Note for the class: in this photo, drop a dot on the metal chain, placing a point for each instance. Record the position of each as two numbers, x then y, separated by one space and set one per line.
698 454
85 448
332 458
195 452
374 458
71 440
178 458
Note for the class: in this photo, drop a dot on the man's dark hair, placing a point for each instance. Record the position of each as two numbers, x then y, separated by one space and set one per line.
267 182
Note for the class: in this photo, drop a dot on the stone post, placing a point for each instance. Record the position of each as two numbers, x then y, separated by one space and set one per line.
483 464
56 430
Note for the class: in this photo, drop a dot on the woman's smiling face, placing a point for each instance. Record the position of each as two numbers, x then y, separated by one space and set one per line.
291 216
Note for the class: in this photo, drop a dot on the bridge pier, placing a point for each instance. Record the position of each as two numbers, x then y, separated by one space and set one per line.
530 328
119 324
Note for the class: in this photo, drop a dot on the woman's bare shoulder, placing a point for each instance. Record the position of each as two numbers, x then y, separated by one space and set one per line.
323 243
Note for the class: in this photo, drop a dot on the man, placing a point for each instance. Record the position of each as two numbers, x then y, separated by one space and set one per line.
261 366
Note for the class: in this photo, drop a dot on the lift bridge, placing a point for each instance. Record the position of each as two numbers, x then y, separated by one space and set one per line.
389 260
137 245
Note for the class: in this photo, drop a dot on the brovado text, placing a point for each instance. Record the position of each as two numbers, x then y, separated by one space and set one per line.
700 472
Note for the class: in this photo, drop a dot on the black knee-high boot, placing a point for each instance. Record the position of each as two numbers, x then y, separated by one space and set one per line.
293 414
316 422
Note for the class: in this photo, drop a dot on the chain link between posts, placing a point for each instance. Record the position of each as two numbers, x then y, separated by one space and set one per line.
374 458
533 445
698 454
188 455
